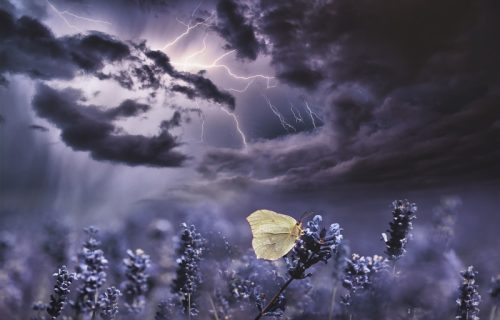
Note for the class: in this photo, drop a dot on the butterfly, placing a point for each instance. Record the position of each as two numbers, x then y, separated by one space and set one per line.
274 234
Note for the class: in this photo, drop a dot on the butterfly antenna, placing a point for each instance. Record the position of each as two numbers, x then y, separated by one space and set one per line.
305 215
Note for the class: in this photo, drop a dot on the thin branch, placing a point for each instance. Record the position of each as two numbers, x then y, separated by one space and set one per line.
273 300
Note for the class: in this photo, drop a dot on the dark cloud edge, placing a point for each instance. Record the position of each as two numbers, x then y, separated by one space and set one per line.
29 47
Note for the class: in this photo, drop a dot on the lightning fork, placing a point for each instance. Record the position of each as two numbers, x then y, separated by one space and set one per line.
297 116
203 120
215 64
311 114
237 124
186 32
242 90
62 14
203 48
280 117
202 133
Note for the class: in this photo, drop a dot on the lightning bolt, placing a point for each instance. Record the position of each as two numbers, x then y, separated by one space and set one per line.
196 9
62 14
202 133
297 116
189 28
196 53
237 124
216 64
249 83
312 114
280 117
203 119
232 115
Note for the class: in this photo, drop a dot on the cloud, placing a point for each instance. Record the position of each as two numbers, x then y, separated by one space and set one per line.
30 48
233 27
142 5
406 103
91 52
206 89
432 151
38 128
128 108
89 128
381 44
200 86
173 122
7 6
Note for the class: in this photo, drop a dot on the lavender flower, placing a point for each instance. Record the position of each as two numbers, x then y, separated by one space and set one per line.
315 245
108 303
240 288
136 285
359 274
399 229
469 298
245 282
61 291
188 277
91 270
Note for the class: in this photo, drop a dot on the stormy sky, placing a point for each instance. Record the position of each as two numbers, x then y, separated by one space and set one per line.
117 107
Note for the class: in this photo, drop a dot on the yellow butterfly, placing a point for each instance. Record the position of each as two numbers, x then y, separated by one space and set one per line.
274 234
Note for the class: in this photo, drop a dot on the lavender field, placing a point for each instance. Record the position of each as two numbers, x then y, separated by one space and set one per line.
161 268
146 147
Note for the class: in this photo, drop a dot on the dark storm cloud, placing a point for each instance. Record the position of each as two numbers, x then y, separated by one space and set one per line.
88 128
146 76
3 81
128 108
201 86
7 6
143 5
411 90
189 92
233 27
206 88
37 127
92 51
382 44
30 48
175 121
413 150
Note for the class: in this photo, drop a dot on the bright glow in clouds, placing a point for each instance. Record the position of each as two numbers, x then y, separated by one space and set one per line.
196 48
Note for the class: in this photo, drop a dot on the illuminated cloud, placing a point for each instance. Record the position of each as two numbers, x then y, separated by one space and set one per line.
90 128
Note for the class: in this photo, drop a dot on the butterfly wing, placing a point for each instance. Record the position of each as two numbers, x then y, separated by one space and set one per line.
274 234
